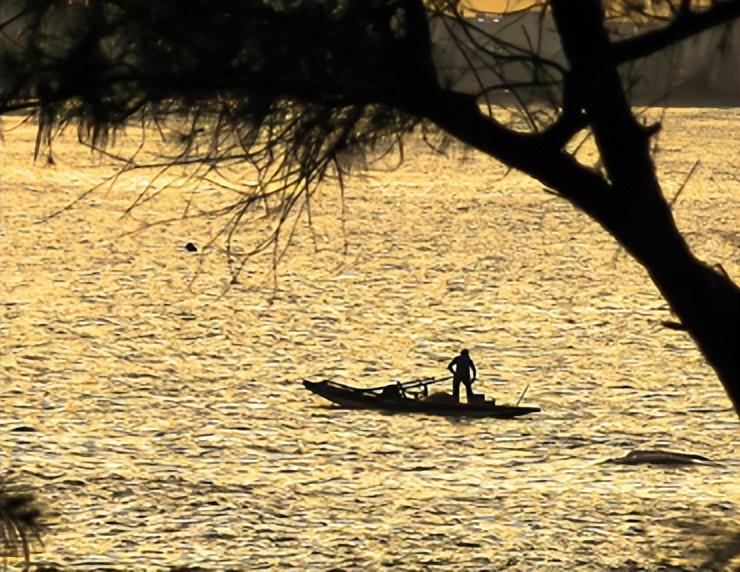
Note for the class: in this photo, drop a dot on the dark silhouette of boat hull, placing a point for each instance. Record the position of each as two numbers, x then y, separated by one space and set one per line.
356 398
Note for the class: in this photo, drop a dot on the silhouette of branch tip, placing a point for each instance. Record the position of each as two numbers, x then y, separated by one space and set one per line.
653 128
671 325
685 182
721 269
686 23
559 134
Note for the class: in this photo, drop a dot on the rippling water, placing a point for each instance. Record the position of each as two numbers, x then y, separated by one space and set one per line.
161 417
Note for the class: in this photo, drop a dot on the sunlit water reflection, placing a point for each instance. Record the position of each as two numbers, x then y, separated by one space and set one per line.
164 422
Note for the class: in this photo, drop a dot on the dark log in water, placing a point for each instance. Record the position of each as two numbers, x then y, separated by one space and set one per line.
660 457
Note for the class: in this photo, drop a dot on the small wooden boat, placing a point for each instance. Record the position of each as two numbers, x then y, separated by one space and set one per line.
395 399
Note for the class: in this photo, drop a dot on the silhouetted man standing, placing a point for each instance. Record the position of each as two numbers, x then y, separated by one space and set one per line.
460 367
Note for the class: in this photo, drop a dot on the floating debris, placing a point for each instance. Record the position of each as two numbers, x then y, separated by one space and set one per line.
23 429
660 457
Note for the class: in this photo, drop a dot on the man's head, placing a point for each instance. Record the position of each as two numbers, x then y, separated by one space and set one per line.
464 353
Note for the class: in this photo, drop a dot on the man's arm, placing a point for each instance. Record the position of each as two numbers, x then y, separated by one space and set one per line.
449 365
472 366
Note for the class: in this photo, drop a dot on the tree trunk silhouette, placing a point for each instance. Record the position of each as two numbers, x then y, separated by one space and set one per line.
706 302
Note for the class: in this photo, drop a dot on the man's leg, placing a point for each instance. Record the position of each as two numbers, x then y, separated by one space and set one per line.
469 391
456 389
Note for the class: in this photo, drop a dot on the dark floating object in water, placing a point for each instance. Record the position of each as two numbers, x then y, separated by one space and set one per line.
23 429
660 457
394 399
190 247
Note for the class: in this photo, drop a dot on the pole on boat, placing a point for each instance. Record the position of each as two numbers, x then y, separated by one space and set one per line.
526 387
424 382
411 384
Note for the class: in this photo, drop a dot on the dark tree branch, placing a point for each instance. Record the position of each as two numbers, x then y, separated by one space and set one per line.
572 119
673 325
705 302
685 25
597 87
535 154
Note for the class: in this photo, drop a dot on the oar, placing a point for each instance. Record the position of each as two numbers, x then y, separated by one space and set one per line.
410 384
424 381
522 395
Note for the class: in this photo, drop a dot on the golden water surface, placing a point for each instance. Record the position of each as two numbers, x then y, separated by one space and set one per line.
160 415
